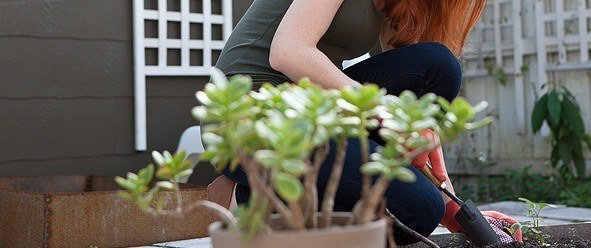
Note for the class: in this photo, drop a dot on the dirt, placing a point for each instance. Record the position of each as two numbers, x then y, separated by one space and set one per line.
551 242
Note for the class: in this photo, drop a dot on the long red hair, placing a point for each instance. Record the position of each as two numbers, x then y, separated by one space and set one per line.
444 21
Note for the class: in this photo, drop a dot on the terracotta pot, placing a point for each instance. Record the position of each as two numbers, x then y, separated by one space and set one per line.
371 235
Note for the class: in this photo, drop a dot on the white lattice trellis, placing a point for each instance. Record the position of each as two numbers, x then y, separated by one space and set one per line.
187 33
561 29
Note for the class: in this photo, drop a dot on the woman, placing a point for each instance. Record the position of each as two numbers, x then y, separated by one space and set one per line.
284 40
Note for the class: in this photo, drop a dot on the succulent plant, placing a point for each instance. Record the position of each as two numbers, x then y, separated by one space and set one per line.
280 134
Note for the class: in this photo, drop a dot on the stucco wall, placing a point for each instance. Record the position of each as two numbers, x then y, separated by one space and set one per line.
66 90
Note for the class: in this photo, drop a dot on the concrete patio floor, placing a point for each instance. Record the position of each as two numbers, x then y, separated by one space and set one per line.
550 216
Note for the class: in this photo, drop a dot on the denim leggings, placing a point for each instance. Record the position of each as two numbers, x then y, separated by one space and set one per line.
421 68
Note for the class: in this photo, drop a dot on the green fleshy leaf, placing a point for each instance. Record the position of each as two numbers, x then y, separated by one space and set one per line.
179 157
462 109
211 138
374 168
203 98
288 187
158 158
126 195
165 185
445 105
184 174
165 173
167 157
218 78
350 121
268 158
427 123
479 124
397 126
125 184
403 174
480 107
295 167
145 175
347 106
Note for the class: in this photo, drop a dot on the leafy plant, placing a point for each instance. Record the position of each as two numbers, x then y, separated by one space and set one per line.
500 74
537 187
280 134
531 229
560 110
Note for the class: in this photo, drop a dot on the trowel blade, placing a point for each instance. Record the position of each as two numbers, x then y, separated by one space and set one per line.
475 225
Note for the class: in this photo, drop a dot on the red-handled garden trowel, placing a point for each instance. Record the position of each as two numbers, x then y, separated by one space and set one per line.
469 217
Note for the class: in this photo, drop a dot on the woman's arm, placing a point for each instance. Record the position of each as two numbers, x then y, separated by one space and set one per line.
294 51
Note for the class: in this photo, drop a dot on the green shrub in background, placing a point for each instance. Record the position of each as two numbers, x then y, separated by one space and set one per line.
560 110
534 186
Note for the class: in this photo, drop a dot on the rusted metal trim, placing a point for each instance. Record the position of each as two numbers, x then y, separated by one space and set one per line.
47 227
88 184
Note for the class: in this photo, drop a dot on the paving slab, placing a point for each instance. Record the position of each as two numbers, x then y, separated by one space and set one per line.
568 214
511 207
188 243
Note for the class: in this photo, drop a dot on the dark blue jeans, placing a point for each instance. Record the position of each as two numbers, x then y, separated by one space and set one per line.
421 68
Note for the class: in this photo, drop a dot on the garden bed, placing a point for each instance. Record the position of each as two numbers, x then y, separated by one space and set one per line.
80 211
565 236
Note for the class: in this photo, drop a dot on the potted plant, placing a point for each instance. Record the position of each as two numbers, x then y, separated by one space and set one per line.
280 134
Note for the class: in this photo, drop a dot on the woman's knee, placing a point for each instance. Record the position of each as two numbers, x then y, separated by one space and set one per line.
443 71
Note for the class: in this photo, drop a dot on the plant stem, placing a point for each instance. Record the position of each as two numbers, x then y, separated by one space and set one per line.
364 143
297 217
411 232
179 200
382 215
310 201
224 214
333 182
371 201
255 182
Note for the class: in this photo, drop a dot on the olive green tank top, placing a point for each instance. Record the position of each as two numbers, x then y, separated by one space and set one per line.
353 32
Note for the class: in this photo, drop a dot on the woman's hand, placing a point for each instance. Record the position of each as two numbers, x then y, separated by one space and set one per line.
496 220
518 236
434 157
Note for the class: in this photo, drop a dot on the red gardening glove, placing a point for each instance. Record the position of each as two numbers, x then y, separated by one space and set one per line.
435 157
497 220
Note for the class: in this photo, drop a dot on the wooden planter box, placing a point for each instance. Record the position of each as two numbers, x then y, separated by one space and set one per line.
80 211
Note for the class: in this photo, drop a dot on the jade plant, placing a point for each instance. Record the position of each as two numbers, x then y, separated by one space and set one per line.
280 136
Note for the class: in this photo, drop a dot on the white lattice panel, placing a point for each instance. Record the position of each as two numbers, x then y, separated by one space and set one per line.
561 42
530 42
185 33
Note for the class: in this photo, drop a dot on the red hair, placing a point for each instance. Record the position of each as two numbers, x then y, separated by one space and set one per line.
444 21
